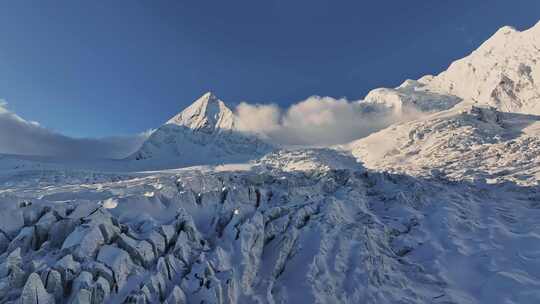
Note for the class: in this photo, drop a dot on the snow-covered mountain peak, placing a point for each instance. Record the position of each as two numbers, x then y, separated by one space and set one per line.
503 72
203 133
207 114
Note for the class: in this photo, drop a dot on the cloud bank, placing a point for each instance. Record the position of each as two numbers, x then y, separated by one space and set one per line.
316 121
19 136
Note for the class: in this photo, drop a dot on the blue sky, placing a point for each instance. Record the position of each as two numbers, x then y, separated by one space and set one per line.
100 68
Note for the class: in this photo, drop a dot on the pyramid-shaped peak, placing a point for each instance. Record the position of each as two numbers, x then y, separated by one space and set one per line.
209 96
206 113
207 100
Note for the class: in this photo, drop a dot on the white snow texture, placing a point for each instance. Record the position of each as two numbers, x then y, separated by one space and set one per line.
439 203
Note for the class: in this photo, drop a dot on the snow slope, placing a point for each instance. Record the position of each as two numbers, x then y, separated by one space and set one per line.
465 142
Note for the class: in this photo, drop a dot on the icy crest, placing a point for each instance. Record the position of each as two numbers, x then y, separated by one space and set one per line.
207 114
503 72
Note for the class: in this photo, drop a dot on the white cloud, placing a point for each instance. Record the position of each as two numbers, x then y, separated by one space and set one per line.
314 121
18 136
258 118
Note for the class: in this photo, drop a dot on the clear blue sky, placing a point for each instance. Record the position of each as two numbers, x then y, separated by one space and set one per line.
96 68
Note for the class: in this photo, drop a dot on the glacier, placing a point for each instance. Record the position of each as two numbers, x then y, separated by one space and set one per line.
442 207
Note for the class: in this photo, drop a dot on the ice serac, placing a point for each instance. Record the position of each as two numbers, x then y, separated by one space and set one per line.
34 292
206 130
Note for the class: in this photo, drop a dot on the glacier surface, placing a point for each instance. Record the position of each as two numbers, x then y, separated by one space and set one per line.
442 207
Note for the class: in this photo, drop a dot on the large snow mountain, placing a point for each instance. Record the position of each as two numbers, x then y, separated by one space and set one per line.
480 119
205 132
504 72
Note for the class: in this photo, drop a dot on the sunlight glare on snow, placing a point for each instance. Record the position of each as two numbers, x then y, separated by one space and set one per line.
110 203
